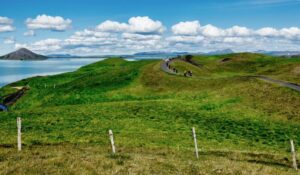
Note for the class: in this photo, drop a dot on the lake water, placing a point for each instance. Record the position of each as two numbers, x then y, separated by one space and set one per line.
11 71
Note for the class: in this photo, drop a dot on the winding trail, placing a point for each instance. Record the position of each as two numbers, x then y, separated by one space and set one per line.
281 83
165 67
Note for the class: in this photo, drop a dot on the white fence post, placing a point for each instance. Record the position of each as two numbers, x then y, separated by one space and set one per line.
195 142
294 155
111 136
19 124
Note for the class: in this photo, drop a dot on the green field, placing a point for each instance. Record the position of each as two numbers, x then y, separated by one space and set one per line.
243 124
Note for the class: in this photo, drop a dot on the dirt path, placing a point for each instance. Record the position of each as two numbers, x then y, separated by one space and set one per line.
293 86
165 67
280 82
14 97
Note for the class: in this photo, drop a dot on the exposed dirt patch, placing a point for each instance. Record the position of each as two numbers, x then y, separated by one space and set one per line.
192 62
14 97
18 87
224 60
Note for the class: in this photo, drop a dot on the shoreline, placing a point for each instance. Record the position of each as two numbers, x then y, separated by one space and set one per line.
16 70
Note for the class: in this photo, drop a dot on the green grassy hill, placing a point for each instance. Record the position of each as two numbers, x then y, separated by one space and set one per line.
243 124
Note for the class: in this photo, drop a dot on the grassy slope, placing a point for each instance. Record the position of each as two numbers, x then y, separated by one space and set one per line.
150 110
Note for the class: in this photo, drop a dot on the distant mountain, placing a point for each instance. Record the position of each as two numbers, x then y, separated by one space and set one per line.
220 52
159 53
279 53
78 56
149 53
23 54
283 53
62 56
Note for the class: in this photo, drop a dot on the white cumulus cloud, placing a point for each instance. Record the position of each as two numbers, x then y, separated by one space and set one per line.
55 23
187 28
145 25
138 37
212 31
141 34
267 32
185 39
9 40
29 33
50 44
6 28
291 33
112 26
140 25
238 40
6 24
238 31
5 20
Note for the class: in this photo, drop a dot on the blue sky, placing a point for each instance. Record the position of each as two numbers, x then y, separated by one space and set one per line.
57 26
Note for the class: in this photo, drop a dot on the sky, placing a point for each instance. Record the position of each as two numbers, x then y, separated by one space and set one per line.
101 27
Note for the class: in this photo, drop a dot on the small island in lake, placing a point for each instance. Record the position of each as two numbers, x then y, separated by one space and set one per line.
23 54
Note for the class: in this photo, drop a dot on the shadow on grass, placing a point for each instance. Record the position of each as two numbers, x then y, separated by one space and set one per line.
258 158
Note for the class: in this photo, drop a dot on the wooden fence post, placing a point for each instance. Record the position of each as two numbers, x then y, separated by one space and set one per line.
195 142
19 124
111 136
294 155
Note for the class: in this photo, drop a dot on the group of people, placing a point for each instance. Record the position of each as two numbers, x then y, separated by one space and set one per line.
187 73
169 66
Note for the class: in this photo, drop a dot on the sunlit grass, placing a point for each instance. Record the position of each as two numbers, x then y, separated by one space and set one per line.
149 109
